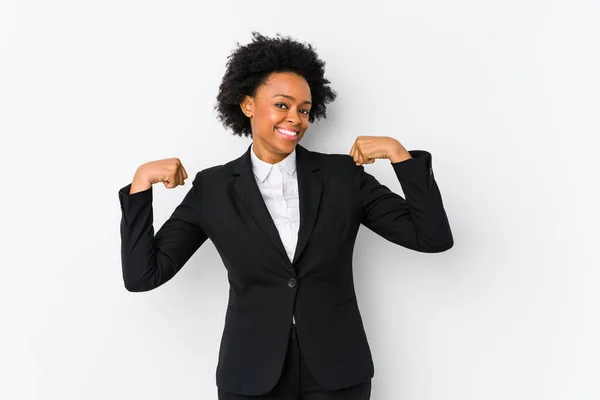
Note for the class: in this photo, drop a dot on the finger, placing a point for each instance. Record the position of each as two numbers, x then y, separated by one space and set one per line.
180 177
172 180
185 175
166 180
361 158
355 153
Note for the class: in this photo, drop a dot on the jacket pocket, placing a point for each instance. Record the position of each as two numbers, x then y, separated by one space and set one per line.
237 308
345 301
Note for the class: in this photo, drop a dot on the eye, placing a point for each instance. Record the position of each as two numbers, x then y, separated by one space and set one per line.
281 105
306 112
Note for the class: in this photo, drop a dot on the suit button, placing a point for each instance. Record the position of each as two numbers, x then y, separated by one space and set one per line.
292 282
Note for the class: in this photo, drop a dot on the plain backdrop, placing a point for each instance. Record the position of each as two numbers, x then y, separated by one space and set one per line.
503 94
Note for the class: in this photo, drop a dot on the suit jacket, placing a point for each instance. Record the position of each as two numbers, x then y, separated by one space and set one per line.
336 196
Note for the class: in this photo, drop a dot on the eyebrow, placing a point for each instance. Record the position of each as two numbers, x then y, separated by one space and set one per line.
287 96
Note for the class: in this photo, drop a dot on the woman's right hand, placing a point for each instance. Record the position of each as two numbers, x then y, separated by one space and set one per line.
169 171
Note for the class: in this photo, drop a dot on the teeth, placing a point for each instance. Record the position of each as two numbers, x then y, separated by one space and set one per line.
286 132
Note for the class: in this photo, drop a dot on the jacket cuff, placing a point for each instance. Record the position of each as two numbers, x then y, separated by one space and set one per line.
132 203
417 168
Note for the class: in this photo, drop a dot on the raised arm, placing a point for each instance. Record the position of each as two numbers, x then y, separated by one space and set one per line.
150 260
418 222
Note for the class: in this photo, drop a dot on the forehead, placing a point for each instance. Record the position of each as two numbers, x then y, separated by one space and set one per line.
286 83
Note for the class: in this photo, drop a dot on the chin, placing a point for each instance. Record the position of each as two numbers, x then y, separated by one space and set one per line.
286 149
286 146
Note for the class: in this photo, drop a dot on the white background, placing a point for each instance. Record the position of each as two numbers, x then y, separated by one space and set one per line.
504 94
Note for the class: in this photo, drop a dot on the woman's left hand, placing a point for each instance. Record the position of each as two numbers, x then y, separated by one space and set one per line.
366 149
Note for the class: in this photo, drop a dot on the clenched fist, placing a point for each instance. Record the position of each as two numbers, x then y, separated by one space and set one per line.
366 149
169 171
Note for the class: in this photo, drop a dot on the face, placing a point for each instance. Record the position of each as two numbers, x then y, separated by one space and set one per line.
278 115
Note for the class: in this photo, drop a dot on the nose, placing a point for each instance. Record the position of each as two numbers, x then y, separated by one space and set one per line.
293 117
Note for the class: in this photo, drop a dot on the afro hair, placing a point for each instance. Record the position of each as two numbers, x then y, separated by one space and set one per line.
249 66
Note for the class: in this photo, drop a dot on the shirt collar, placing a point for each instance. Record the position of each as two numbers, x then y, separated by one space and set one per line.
262 169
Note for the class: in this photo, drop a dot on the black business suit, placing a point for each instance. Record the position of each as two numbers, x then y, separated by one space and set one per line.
336 196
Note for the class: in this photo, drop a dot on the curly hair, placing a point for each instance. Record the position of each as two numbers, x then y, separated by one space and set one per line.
249 66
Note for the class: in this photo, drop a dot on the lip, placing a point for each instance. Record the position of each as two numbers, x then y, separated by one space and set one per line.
287 137
287 129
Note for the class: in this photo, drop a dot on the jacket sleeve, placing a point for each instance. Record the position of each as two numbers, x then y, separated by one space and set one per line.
150 260
418 222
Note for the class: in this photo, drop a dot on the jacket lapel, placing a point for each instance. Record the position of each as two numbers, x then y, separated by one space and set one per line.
310 188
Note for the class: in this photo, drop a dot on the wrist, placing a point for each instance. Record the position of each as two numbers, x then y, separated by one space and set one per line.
399 156
139 183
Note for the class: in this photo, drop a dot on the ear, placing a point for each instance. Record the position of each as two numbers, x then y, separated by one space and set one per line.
247 106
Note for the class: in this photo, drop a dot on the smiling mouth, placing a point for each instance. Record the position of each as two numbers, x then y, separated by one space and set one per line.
287 133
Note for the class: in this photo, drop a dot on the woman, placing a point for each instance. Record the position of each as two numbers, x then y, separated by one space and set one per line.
284 221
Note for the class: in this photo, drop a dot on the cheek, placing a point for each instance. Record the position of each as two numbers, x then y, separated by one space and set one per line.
270 118
305 123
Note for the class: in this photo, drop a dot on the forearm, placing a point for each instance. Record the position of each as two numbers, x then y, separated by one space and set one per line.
425 204
149 259
144 268
399 155
140 183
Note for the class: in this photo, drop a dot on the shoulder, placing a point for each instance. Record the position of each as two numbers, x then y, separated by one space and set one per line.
338 166
213 174
333 159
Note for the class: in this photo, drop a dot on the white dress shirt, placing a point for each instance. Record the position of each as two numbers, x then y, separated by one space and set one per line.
278 185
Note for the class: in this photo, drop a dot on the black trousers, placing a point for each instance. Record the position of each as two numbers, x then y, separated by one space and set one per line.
296 382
